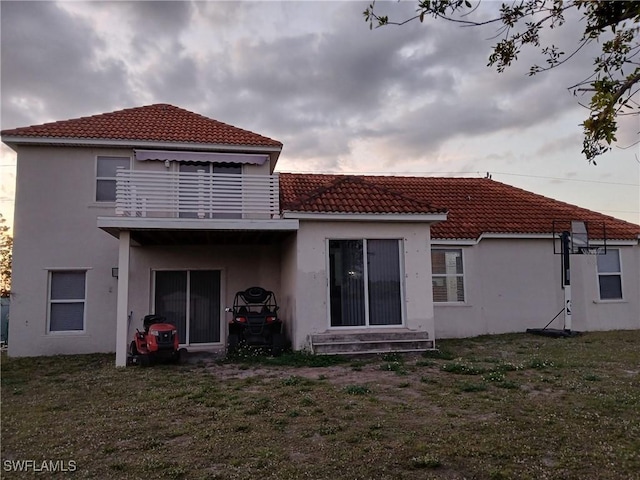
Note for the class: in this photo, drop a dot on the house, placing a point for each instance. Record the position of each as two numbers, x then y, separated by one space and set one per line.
157 209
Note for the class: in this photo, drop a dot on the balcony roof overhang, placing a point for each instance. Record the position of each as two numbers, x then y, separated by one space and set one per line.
186 231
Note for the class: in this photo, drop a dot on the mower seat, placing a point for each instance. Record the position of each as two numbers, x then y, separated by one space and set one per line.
150 320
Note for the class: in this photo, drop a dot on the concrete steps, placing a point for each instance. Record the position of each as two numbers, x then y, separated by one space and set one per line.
370 342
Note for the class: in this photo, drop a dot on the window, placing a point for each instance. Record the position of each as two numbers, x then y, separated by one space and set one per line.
66 301
448 275
610 275
106 177
365 286
191 196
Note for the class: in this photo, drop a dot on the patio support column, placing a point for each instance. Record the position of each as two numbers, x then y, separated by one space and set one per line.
122 317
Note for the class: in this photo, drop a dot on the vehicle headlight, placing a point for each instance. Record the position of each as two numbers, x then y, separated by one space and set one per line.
155 333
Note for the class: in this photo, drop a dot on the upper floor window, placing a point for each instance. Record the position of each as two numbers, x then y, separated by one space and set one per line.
106 177
447 275
610 275
67 293
190 192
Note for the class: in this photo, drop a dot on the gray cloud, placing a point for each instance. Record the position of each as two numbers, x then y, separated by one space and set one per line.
409 88
50 70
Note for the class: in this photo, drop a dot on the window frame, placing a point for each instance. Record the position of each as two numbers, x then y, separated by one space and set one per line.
51 301
445 276
99 178
401 280
610 274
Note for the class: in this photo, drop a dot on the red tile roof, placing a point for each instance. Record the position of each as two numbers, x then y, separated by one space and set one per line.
475 205
154 123
352 194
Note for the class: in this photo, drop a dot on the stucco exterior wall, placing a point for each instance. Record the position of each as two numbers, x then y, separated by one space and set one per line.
515 284
55 228
288 284
311 304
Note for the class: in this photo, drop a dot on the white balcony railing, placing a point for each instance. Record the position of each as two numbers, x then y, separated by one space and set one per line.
196 195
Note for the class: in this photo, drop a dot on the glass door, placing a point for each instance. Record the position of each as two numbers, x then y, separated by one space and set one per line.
191 301
365 293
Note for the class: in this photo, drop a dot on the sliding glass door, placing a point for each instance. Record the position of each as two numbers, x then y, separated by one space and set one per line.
190 299
365 287
197 192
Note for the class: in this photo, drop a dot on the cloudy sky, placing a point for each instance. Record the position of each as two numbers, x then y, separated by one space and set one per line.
416 99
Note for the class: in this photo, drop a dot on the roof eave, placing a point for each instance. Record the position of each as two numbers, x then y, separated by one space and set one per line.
522 236
431 218
103 142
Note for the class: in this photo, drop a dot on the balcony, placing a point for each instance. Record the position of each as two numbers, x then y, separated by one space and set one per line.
179 208
196 195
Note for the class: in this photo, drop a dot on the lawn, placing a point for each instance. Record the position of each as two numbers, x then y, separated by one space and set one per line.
496 407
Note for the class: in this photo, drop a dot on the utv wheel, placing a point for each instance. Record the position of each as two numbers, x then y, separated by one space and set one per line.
279 343
233 341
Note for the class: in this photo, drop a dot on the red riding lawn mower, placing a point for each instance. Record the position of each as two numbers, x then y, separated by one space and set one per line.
158 341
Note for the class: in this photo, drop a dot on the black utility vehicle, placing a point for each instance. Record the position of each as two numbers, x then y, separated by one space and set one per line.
255 321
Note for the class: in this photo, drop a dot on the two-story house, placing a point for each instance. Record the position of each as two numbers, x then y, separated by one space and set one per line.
157 209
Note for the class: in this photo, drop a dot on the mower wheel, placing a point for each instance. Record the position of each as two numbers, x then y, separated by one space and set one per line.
279 343
176 357
133 350
182 355
233 341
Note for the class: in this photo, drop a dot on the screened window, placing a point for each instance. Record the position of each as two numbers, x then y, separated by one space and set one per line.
447 275
365 285
610 275
106 177
67 295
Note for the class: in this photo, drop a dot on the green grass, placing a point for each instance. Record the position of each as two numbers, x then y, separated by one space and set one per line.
508 406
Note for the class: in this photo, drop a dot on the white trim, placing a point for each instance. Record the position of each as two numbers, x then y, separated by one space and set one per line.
122 305
67 269
452 304
453 242
440 275
517 236
402 250
98 142
51 302
615 243
618 273
97 178
365 283
367 217
365 271
146 223
521 236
